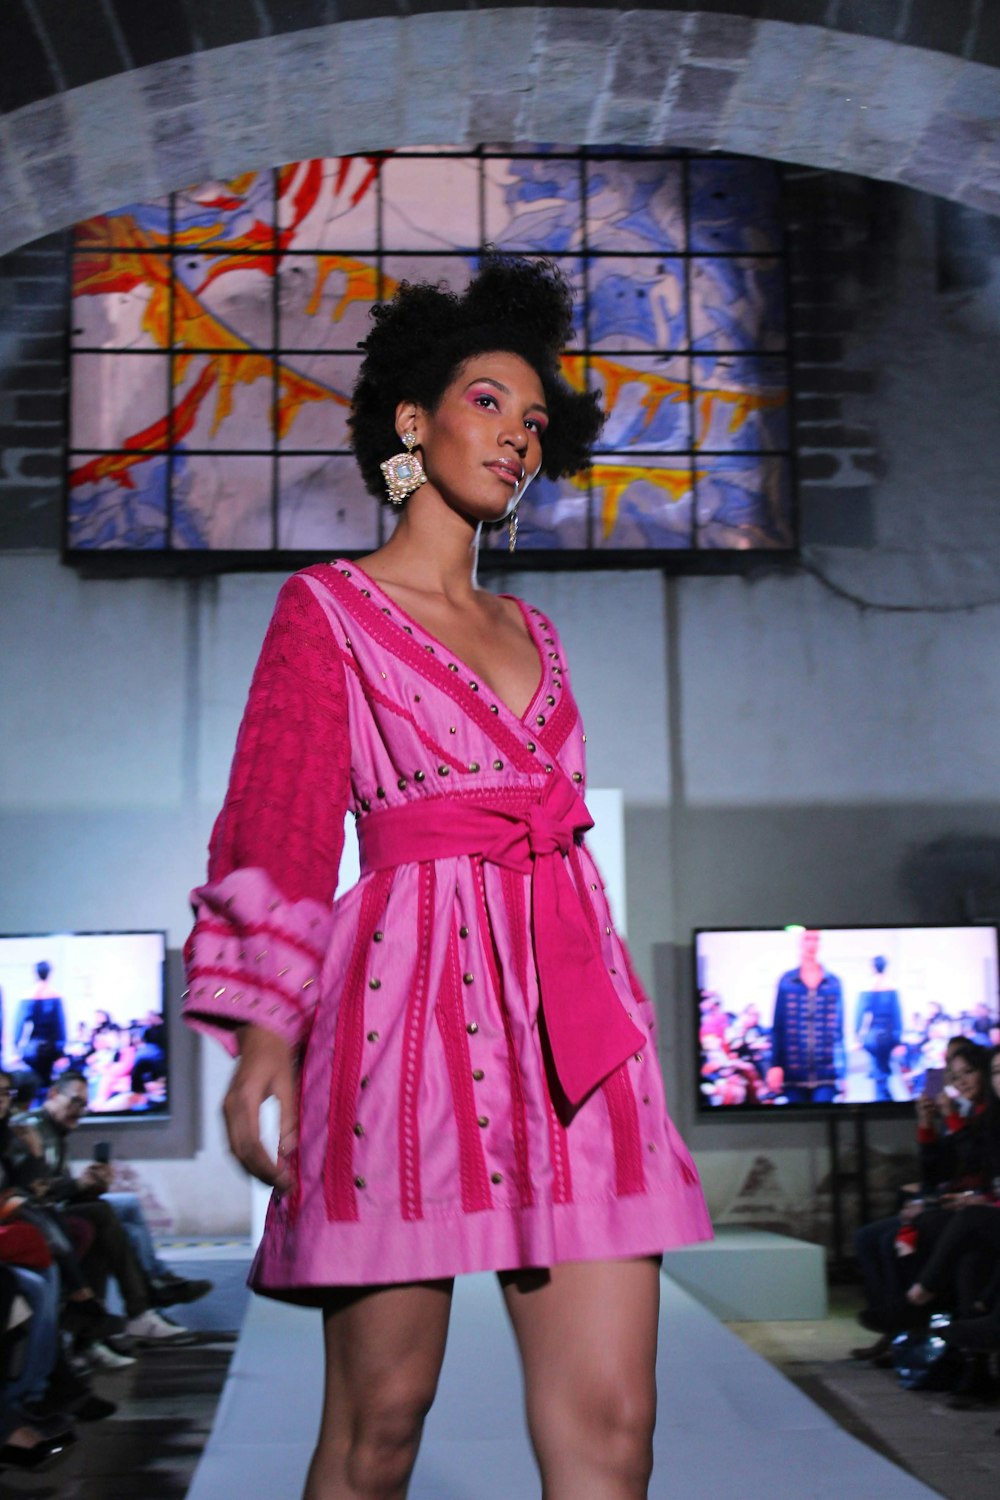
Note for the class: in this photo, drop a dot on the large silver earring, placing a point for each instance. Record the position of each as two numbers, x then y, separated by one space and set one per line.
512 531
404 472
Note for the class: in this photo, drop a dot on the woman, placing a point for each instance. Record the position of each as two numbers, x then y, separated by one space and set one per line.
464 1062
954 1160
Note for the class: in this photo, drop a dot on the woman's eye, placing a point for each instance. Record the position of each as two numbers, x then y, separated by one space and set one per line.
485 397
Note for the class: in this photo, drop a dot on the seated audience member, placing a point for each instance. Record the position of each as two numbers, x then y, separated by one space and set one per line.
22 1444
953 1160
40 1159
962 1271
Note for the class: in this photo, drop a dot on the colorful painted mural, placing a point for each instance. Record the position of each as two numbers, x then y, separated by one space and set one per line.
214 348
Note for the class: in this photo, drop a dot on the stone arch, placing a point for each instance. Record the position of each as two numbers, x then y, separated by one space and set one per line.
830 98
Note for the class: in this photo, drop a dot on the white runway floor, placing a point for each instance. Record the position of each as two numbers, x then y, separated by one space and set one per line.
729 1426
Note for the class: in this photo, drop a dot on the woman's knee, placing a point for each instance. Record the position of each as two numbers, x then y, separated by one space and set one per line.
384 1437
609 1424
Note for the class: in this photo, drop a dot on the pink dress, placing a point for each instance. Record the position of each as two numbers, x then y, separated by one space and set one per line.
479 1087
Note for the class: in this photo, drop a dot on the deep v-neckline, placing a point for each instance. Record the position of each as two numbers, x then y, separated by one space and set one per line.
407 619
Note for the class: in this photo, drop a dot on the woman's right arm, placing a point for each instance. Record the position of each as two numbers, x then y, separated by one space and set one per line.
262 920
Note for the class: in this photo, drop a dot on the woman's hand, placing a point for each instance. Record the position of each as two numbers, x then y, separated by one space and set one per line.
926 1110
265 1070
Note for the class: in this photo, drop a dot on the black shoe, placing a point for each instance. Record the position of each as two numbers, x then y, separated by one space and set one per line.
48 1421
874 1351
170 1290
90 1319
12 1457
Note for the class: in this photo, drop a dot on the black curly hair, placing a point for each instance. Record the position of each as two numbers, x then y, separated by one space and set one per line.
426 332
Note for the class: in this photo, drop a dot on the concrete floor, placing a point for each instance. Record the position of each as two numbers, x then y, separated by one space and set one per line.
955 1453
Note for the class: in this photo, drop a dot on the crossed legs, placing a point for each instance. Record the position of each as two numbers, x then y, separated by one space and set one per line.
587 1337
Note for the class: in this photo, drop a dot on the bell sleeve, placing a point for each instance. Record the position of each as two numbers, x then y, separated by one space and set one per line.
262 919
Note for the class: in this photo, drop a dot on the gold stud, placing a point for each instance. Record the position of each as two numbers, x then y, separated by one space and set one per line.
380 791
373 1036
463 932
219 993
452 667
443 770
365 804
494 709
539 720
308 983
577 776
472 1028
531 746
468 979
550 700
418 776
374 984
496 1177
473 765
282 972
359 1129
364 1082
638 1056
478 1074
452 729
483 1121
378 936
498 765
359 1182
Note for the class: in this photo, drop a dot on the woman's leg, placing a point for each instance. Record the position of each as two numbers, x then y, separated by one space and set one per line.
41 1289
587 1336
384 1348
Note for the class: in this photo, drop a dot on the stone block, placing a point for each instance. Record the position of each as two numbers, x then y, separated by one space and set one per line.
645 56
169 84
754 129
562 25
912 92
491 117
851 63
40 129
985 198
628 122
781 56
722 39
820 123
353 46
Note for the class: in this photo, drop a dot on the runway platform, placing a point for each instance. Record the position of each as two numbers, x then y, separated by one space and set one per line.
728 1423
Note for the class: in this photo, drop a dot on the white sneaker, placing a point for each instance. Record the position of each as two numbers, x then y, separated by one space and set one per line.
150 1328
104 1358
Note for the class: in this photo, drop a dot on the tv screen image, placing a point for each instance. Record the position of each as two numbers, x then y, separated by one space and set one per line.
92 1002
796 1017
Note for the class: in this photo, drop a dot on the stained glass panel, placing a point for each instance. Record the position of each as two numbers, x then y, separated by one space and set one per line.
314 400
222 502
636 303
635 205
119 400
120 300
223 301
642 502
737 303
744 502
533 203
223 401
324 301
117 501
734 206
741 403
648 400
324 506
431 203
218 330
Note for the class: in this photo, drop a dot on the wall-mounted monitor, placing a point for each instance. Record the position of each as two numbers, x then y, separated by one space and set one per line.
805 1018
93 1002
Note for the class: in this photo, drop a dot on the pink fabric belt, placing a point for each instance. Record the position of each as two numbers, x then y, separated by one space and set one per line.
588 1028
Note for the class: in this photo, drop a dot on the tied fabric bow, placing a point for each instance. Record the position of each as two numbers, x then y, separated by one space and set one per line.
589 1031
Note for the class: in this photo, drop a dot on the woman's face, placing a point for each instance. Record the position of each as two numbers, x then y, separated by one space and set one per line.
482 445
966 1079
6 1095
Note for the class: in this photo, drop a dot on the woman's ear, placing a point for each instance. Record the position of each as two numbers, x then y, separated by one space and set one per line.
406 417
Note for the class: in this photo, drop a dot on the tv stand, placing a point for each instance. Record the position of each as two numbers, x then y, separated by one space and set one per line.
842 1266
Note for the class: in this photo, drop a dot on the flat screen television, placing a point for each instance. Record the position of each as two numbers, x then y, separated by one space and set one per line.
797 1018
94 1002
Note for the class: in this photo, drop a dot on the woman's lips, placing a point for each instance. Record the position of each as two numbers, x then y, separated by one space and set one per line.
513 477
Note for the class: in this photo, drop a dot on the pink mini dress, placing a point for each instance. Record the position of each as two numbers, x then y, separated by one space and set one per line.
478 1080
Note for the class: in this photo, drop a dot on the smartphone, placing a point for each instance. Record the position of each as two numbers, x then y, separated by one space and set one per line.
102 1152
934 1082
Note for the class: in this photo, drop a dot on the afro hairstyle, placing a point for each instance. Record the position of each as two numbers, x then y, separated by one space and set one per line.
426 332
